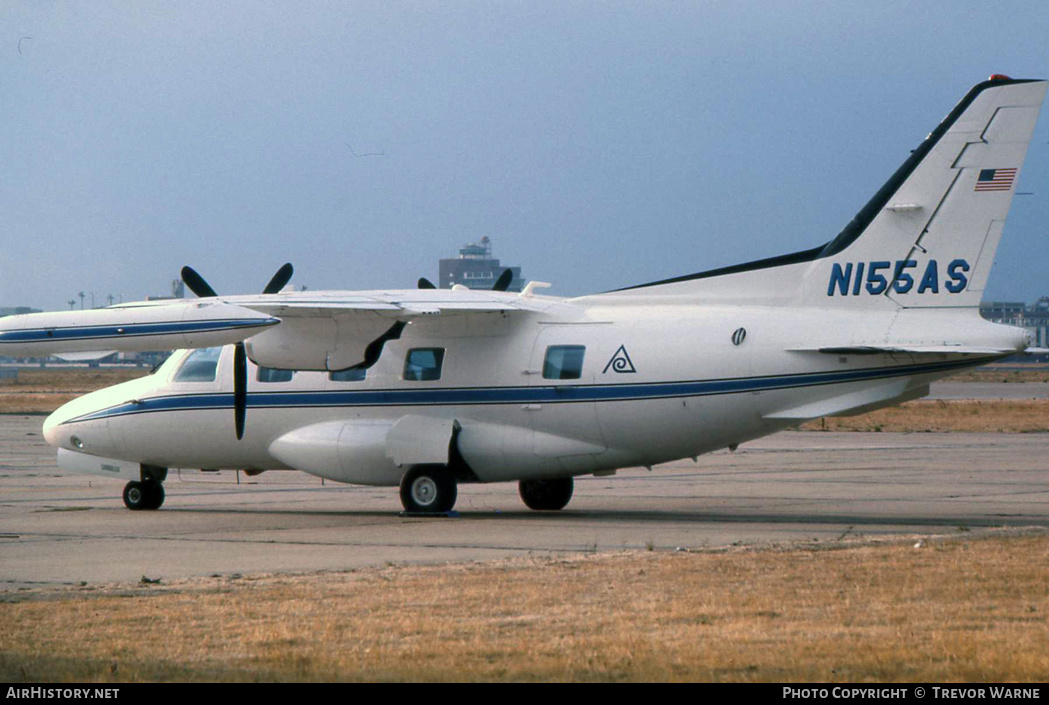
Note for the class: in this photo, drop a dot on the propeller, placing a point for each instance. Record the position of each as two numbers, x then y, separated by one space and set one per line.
240 388
374 349
196 283
280 279
501 284
201 288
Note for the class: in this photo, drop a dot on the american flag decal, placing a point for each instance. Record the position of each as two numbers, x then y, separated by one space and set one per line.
995 179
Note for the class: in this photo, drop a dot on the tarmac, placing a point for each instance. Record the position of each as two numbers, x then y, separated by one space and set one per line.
58 529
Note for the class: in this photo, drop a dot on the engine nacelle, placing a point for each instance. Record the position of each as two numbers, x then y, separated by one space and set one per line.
379 451
324 344
344 451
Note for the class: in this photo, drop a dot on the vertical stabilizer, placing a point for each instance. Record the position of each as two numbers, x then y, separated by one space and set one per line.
928 237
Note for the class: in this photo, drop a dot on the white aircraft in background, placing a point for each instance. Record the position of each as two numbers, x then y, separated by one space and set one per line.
428 388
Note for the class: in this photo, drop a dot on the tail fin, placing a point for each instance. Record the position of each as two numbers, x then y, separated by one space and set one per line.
927 238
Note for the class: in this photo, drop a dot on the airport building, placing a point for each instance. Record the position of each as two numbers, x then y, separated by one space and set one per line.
476 268
17 311
178 291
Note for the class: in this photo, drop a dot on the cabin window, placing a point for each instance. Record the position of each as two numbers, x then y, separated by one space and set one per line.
354 374
269 374
423 364
564 362
199 366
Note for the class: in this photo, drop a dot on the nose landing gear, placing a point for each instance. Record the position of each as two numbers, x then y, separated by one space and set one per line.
148 494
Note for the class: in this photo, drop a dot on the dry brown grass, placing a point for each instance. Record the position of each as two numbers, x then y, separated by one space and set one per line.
953 610
931 415
41 391
990 374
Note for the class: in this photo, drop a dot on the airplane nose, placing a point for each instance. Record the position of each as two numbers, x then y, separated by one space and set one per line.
68 428
52 425
83 424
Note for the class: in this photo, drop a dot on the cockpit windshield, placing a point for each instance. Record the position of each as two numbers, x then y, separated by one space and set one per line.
199 366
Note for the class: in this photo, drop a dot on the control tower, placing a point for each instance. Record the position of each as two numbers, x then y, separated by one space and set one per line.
476 268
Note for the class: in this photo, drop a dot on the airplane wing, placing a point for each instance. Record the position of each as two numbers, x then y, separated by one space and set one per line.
304 330
130 328
338 330
391 304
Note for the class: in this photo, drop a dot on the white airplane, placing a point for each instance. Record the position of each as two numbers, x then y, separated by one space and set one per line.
427 388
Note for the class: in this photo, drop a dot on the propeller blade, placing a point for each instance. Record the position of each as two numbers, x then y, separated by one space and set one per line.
374 349
503 282
201 288
280 279
425 283
196 283
240 388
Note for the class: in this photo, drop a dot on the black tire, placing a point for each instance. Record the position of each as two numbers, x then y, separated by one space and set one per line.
549 495
428 489
135 496
143 495
154 494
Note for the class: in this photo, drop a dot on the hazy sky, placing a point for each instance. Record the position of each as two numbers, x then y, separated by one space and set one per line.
599 144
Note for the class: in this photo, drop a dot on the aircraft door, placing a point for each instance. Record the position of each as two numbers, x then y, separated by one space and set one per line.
562 409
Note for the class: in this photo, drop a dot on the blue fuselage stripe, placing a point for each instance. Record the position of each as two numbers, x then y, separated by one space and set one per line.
512 395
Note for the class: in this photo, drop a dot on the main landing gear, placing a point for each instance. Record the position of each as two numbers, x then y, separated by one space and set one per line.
548 495
428 489
431 489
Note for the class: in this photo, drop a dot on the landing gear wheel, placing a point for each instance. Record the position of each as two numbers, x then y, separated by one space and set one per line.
154 494
428 489
546 494
143 495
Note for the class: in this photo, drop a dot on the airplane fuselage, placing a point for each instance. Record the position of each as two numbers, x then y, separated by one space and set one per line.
656 383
